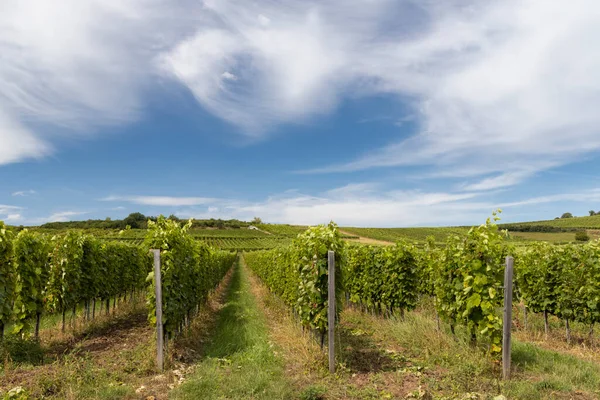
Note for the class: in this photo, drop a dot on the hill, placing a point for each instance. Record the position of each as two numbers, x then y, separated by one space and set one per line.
556 225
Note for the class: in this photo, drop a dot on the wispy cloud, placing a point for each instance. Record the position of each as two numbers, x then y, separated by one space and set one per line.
79 70
162 200
504 87
25 193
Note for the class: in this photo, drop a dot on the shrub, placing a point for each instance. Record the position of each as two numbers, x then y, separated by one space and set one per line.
582 236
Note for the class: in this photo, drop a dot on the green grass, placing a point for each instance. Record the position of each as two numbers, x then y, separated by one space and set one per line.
239 361
451 366
553 372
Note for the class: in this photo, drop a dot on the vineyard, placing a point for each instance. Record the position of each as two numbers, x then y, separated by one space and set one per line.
445 288
55 275
412 234
588 222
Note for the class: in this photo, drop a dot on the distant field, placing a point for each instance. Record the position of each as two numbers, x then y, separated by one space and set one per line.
550 236
274 235
238 243
592 222
283 230
415 234
238 233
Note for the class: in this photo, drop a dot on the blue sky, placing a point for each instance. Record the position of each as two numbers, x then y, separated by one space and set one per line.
367 112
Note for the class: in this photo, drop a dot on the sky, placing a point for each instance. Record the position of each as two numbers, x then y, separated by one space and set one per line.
365 112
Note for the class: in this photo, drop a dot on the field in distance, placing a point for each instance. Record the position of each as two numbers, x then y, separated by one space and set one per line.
258 236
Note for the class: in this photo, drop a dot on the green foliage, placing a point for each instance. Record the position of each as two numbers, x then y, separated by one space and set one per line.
561 280
582 236
429 261
385 278
538 277
189 270
310 255
8 274
299 274
567 215
65 272
32 260
469 280
135 220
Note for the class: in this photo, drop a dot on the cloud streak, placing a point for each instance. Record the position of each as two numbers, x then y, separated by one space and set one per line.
168 201
24 193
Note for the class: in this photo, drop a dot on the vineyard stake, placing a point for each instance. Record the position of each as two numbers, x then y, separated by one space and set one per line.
331 311
506 326
159 324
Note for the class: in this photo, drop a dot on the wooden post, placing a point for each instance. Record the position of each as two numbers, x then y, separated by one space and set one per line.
331 310
159 323
38 317
506 326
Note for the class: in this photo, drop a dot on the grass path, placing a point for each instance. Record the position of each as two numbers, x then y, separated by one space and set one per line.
239 361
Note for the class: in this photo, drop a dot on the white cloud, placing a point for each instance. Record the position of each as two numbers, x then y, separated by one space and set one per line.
63 216
10 214
162 200
11 218
229 76
24 193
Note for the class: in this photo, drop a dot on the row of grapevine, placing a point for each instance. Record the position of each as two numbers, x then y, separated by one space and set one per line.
43 274
55 274
299 273
189 270
383 278
561 280
465 277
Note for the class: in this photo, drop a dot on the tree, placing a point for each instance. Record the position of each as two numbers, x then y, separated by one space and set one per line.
256 221
135 220
592 213
567 215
